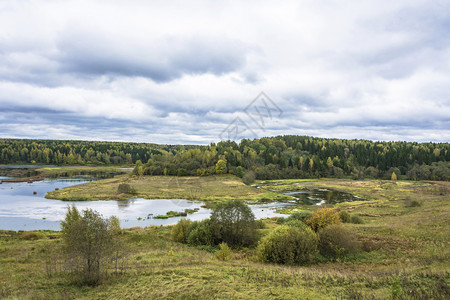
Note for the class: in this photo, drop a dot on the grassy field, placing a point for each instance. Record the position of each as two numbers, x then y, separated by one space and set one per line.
407 251
60 170
210 188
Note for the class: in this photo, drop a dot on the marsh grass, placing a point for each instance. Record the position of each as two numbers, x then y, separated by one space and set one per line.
405 255
209 188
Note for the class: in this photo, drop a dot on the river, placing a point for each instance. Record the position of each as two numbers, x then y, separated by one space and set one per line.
23 206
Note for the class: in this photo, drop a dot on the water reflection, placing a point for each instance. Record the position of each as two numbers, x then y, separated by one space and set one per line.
319 196
23 206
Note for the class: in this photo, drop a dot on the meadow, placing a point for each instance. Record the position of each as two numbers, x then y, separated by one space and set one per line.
206 188
404 237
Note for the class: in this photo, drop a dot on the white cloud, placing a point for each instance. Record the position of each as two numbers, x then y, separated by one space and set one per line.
337 68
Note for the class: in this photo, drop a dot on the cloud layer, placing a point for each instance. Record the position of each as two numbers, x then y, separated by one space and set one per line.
150 71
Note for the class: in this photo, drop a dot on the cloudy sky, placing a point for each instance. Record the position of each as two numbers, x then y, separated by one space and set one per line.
169 72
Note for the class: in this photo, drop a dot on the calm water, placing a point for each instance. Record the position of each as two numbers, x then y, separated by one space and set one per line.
21 209
321 196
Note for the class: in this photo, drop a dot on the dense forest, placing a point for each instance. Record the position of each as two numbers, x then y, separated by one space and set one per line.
266 158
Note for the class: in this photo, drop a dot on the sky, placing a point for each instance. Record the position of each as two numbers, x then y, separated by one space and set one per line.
196 72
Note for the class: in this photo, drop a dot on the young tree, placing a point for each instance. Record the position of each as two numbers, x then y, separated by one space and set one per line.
240 171
221 167
394 176
88 242
233 222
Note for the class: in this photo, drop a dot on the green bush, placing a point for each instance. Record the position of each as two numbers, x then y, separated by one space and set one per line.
260 224
224 253
414 203
288 245
200 233
301 216
355 219
280 220
249 177
180 231
240 172
345 216
323 217
32 235
233 222
296 223
125 188
335 241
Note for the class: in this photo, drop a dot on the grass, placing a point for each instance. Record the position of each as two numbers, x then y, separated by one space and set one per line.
407 257
211 188
92 169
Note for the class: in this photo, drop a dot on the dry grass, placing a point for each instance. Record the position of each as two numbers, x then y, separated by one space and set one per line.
408 258
211 188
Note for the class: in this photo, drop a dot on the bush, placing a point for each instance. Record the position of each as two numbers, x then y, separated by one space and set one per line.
280 220
233 222
114 225
240 172
125 188
180 231
288 245
335 241
301 216
345 216
323 217
260 224
249 177
295 223
224 253
414 203
355 219
88 243
32 235
200 233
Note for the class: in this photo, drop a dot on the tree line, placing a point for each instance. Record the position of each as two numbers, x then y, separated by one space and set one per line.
286 156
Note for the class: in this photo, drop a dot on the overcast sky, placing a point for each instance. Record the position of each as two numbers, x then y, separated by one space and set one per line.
173 72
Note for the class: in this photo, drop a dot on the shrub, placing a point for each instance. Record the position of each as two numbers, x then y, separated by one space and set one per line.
125 188
260 224
345 216
301 216
233 222
288 245
295 223
414 203
180 231
32 235
355 219
200 233
323 217
88 242
249 177
335 241
224 253
280 220
114 225
240 172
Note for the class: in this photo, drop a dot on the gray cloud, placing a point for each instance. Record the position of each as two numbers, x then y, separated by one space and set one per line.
151 72
161 60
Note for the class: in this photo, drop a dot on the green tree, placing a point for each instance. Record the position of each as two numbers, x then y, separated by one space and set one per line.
221 167
233 222
394 176
88 242
249 177
240 171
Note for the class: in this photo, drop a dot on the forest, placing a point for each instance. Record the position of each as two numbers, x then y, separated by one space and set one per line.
277 157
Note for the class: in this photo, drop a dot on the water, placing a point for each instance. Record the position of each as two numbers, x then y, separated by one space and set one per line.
319 196
21 209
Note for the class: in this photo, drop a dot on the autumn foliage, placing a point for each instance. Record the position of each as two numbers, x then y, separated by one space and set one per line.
323 217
